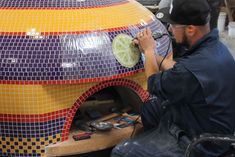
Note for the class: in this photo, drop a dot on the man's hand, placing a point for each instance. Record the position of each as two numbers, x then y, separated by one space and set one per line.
145 41
147 45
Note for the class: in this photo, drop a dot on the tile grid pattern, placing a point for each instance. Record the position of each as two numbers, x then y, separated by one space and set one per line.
19 133
56 4
53 56
119 82
66 57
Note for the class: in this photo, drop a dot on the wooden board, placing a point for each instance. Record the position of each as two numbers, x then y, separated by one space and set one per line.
98 141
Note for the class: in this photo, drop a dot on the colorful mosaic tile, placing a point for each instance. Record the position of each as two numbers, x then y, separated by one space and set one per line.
26 146
66 57
38 4
53 56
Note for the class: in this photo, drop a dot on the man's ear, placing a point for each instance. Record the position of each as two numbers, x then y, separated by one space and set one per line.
191 30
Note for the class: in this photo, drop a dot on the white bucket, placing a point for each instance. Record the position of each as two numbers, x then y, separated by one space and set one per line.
221 21
231 29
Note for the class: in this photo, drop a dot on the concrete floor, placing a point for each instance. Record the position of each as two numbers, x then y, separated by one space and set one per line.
228 41
103 153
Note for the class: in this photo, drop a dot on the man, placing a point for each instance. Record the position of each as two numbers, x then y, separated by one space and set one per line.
193 94
214 13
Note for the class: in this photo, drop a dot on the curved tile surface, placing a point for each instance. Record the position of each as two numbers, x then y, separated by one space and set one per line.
61 45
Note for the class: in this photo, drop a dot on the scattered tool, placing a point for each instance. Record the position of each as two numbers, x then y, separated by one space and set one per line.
102 126
82 136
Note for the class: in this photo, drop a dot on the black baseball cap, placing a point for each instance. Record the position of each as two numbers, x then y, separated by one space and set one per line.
185 12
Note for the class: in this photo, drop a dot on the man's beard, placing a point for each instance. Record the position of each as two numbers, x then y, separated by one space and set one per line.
185 42
180 48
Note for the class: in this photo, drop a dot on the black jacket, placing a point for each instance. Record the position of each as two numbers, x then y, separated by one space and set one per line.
200 88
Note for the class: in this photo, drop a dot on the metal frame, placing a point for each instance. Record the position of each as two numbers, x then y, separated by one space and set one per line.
212 138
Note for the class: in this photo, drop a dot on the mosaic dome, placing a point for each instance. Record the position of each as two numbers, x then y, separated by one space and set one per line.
54 55
45 41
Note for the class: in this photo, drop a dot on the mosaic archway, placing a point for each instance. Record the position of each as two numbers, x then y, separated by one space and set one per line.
26 134
118 82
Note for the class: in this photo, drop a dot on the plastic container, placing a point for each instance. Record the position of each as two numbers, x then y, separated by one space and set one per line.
221 21
231 29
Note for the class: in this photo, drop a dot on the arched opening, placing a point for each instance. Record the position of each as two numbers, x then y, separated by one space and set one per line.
109 104
106 104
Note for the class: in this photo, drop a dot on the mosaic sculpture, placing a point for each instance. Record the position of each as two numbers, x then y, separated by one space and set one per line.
54 54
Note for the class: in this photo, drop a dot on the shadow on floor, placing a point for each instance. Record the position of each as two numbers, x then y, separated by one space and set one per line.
102 153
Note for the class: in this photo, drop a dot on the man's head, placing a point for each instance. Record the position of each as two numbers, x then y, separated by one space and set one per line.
188 20
186 12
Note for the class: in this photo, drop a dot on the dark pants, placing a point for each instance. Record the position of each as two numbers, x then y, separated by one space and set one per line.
151 113
162 138
158 140
215 9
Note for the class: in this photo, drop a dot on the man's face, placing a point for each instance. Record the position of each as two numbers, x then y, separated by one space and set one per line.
179 34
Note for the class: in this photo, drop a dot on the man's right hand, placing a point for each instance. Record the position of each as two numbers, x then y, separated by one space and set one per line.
145 41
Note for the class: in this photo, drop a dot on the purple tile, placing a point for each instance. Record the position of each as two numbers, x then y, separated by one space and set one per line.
57 3
68 57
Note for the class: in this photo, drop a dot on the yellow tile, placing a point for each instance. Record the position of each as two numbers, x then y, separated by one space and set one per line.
33 139
21 151
38 151
63 20
24 140
34 147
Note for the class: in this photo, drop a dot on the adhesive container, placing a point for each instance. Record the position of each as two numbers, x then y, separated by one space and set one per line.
221 21
231 29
